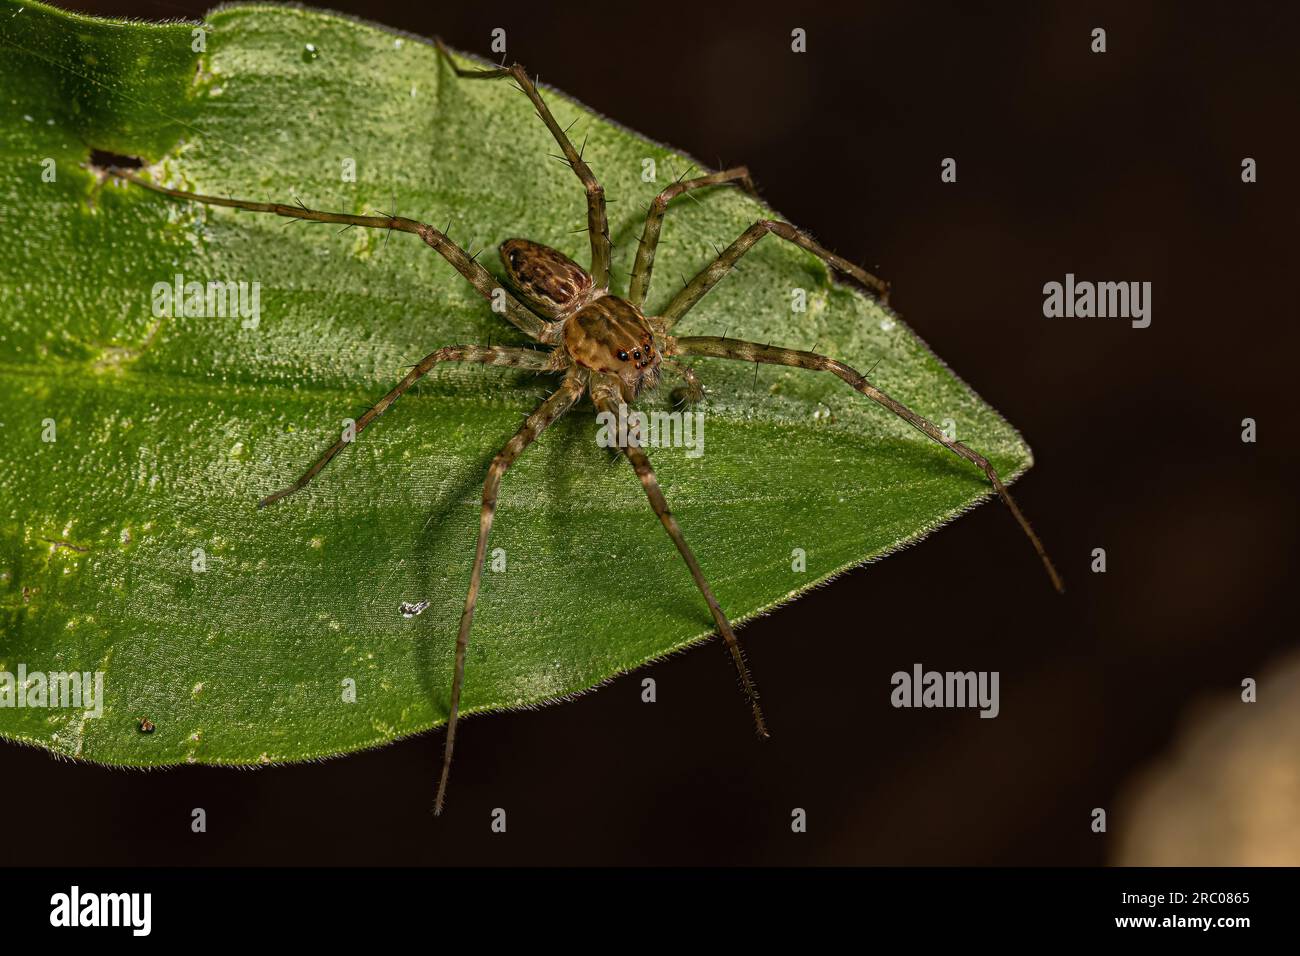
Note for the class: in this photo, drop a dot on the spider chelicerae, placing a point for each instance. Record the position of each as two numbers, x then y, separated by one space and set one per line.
600 344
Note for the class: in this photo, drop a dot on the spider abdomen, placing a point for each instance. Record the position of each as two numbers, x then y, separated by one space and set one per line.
548 280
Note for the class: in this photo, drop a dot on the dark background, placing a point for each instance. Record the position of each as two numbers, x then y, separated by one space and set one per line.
1122 166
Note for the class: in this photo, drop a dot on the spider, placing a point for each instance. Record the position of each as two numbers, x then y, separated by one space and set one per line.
601 345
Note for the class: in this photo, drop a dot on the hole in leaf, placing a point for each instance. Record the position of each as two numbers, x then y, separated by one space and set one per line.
103 159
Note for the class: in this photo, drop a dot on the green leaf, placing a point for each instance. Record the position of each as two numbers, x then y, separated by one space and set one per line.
169 431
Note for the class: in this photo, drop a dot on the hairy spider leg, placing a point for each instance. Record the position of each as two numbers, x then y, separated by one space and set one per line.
542 418
597 222
654 220
694 388
714 272
606 396
741 351
487 286
481 354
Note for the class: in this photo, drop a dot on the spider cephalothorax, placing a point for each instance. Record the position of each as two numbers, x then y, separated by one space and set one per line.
610 335
604 346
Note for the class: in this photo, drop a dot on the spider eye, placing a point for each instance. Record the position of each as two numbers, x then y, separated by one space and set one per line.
636 354
622 356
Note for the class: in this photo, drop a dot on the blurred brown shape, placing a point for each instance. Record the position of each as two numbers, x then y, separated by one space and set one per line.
1229 794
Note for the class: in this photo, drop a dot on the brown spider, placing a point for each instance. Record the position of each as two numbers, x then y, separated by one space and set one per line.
603 345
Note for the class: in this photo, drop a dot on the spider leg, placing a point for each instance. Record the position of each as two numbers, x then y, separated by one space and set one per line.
484 355
714 347
542 417
713 273
482 280
606 396
597 222
694 389
654 220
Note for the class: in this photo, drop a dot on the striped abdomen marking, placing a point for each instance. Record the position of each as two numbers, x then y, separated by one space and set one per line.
548 280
